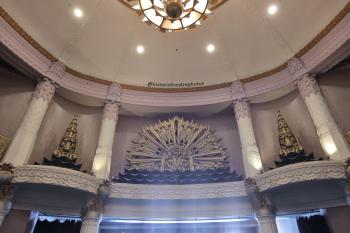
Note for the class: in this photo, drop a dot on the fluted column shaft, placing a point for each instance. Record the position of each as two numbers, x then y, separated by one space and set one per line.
251 155
330 135
103 155
23 142
267 224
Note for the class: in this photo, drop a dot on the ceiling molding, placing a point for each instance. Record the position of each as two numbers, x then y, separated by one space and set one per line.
78 74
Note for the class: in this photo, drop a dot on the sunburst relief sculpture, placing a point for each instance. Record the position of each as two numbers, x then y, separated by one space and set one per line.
176 145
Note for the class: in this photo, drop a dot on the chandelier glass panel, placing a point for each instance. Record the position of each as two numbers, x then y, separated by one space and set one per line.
173 15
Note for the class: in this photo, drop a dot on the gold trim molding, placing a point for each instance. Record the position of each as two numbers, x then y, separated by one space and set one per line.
52 58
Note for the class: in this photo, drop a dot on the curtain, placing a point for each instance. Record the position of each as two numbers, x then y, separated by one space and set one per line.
313 224
68 226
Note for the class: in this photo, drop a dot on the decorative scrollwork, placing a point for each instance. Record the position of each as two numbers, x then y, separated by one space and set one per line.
178 192
301 172
6 192
7 167
51 175
177 145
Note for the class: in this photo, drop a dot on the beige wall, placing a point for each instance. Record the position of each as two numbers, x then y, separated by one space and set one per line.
296 114
336 89
56 121
15 222
15 94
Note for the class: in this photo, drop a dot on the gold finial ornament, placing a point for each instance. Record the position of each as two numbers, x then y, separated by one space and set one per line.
290 149
288 142
68 144
65 155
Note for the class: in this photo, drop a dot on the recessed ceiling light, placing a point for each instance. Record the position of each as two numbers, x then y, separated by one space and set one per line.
140 49
272 9
210 48
78 12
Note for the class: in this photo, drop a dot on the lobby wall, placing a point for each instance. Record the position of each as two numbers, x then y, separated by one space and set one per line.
15 94
335 86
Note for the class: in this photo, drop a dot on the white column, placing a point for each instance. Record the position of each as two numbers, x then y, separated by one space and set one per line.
33 219
90 224
330 135
5 204
251 155
267 224
93 211
263 210
103 156
23 142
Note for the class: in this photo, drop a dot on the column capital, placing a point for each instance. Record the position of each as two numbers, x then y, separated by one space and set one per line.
261 204
45 90
114 93
95 205
308 85
110 111
6 192
56 72
241 109
237 91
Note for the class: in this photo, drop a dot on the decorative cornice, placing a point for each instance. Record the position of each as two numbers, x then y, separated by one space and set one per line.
177 192
50 175
300 172
299 54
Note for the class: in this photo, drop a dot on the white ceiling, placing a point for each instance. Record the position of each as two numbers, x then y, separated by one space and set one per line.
102 43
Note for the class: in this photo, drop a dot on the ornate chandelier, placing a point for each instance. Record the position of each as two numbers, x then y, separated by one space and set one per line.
173 15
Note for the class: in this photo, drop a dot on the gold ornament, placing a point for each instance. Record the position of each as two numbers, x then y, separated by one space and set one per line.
176 145
288 142
68 144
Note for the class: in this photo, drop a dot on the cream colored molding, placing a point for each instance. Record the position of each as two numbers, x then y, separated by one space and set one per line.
177 192
308 171
50 175
323 50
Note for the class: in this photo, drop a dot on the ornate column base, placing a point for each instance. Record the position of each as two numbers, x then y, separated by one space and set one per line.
267 224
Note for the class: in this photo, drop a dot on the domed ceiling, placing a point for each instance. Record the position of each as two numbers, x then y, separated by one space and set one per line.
102 43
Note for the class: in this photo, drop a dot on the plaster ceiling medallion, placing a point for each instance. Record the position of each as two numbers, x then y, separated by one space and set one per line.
177 145
173 15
